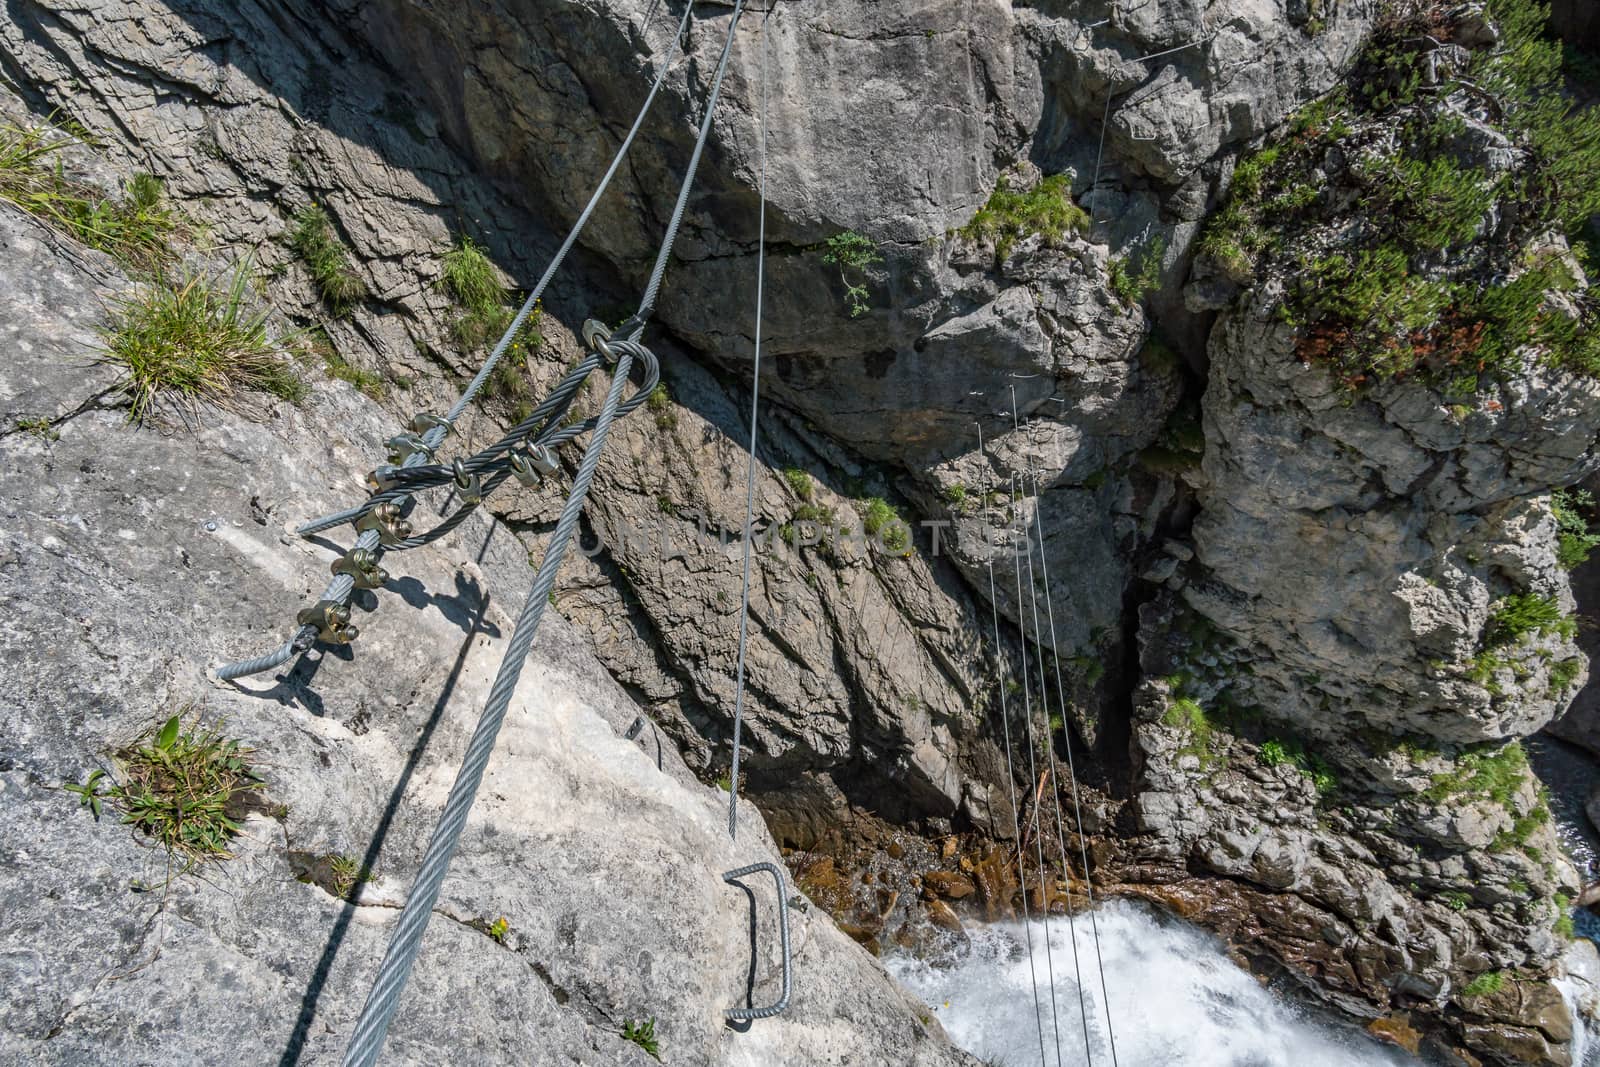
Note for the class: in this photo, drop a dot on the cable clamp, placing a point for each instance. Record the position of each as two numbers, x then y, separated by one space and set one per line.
386 521
469 484
422 422
361 565
533 464
332 620
382 479
406 445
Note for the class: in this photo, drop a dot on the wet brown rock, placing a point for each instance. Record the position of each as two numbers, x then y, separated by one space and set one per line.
948 884
1397 1030
941 915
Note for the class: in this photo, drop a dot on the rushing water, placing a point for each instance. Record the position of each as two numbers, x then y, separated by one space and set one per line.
1175 998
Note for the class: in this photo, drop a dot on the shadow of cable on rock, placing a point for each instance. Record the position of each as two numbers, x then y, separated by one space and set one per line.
319 976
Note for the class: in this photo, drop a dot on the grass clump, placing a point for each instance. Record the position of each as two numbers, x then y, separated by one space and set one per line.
1384 303
660 404
880 520
1485 984
135 229
1493 775
40 427
196 339
179 786
852 253
318 247
1010 215
644 1035
1574 542
473 283
1521 615
798 481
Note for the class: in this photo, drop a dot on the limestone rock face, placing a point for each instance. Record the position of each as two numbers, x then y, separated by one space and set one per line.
132 559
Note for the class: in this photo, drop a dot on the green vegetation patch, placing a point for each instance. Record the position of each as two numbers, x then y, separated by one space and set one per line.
852 253
1010 215
1275 752
1485 984
879 519
1494 774
1574 541
1377 305
196 339
644 1035
137 229
181 786
319 248
1138 274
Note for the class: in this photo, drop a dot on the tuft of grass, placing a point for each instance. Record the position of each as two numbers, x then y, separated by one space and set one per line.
879 519
644 1035
1484 984
179 786
369 382
1009 215
798 481
472 282
318 247
40 427
196 339
1521 614
660 404
852 252
1495 775
348 874
136 229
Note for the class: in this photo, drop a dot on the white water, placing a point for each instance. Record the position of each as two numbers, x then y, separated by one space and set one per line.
1175 999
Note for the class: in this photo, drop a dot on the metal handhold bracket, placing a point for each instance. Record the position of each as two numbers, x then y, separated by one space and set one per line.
362 566
386 521
778 1006
332 620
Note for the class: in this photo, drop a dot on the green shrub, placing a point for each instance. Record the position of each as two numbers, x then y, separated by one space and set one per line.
1009 215
314 241
1273 753
1484 984
660 404
1572 509
1132 283
196 339
852 252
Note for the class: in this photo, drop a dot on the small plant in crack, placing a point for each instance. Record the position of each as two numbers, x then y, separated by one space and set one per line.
185 788
499 929
644 1035
852 253
348 874
315 242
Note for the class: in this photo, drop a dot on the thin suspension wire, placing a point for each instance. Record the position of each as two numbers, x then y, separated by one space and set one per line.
1033 773
1050 764
1072 771
1011 778
750 470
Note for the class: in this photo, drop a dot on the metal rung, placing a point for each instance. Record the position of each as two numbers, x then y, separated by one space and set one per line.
777 1008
